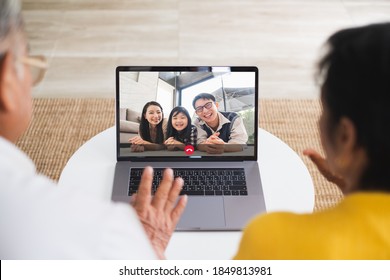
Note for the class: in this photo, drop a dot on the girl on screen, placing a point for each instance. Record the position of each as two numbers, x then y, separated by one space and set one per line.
180 131
152 129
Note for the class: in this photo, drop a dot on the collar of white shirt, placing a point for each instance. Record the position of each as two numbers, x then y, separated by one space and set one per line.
222 121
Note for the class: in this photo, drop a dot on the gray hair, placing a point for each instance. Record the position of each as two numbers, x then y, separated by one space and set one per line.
11 24
12 36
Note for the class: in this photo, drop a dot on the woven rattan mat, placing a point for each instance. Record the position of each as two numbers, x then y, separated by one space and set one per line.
60 126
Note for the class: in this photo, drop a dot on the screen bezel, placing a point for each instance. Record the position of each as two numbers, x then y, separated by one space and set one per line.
184 158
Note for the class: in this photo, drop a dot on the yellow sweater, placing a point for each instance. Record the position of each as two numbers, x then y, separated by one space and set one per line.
357 228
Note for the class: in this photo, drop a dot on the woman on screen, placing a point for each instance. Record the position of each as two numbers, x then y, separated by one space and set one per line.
152 129
180 131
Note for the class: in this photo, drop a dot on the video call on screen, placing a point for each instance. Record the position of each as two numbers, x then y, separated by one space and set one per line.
233 91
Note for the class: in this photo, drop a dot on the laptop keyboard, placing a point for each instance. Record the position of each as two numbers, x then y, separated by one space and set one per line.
219 181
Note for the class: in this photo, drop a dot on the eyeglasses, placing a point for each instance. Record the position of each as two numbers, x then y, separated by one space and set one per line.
38 66
208 105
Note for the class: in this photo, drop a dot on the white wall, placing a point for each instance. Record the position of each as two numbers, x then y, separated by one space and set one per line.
137 88
165 96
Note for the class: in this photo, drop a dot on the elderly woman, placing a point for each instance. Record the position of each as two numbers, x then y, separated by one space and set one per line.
355 134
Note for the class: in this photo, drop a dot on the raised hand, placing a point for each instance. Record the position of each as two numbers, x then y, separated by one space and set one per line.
159 214
324 168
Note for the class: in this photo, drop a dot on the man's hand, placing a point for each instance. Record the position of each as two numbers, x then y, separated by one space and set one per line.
214 144
214 148
324 168
214 139
159 214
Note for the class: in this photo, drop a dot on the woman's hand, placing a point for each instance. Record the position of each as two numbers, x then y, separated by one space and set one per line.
137 148
159 214
324 168
137 140
137 144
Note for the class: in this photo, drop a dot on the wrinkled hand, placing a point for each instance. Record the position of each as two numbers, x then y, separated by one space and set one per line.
159 214
324 168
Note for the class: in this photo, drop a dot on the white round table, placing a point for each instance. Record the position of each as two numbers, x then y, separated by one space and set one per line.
287 186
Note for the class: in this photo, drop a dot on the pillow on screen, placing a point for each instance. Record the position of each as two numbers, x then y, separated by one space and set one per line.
133 116
128 126
122 113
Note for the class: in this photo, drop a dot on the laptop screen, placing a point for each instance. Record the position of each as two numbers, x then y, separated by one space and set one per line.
186 113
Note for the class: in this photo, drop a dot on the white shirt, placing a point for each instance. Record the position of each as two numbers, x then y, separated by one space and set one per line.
40 220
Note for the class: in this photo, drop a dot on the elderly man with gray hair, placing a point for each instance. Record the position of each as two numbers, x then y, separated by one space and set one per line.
39 220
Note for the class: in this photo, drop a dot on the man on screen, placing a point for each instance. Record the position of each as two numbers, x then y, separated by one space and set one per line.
218 132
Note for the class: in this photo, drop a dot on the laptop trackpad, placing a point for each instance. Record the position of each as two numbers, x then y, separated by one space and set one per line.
203 213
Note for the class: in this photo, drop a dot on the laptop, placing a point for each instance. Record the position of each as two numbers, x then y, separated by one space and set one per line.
224 190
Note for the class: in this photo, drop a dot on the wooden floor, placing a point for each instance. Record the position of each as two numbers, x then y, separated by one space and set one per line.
85 40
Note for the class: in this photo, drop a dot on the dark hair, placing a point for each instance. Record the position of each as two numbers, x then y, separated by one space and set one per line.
144 125
202 96
356 85
171 131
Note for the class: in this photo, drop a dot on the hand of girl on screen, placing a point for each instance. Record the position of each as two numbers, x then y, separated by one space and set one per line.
172 141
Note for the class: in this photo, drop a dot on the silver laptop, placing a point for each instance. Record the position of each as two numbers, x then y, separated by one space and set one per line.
224 190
